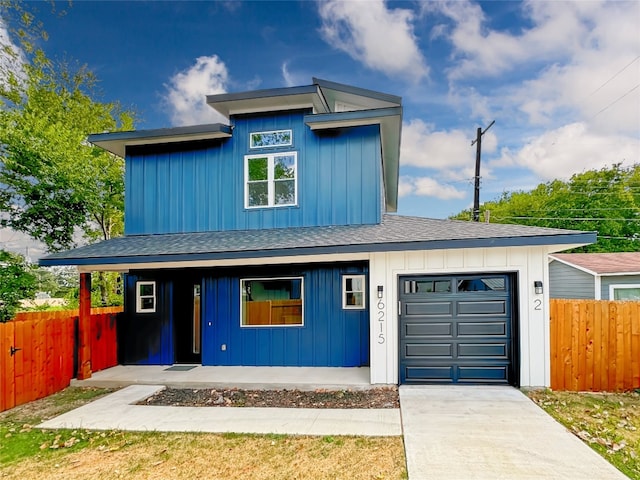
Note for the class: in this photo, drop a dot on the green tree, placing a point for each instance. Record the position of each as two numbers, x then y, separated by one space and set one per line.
17 282
606 201
54 185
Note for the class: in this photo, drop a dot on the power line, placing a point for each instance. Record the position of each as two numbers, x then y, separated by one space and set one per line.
577 219
615 75
615 101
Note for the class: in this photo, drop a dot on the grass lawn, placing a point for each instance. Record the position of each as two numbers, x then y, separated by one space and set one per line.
609 423
29 453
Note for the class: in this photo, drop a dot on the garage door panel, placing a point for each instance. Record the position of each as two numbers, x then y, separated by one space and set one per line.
442 329
473 374
493 350
494 307
429 350
459 335
429 309
429 374
482 329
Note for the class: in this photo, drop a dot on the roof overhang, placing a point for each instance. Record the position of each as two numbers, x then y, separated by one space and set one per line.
117 142
159 249
270 100
390 121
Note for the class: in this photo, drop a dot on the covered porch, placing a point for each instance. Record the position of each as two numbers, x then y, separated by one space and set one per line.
198 376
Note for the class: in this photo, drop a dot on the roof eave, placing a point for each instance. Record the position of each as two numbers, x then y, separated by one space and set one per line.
269 100
541 240
117 142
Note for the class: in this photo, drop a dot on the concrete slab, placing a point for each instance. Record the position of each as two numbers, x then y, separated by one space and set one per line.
485 432
301 378
118 411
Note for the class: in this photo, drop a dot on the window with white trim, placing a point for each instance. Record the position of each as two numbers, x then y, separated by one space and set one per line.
145 297
274 138
624 292
271 180
271 302
353 292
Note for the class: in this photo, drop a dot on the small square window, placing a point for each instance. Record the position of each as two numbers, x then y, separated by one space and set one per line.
354 292
145 297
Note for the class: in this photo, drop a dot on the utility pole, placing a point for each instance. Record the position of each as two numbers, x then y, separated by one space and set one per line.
476 186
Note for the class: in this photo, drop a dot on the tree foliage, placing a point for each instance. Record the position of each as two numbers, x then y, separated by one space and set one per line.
606 201
17 282
52 182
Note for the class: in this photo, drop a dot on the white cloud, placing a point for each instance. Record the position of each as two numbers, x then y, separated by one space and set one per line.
187 91
564 88
450 152
382 39
12 57
558 154
567 66
428 187
290 80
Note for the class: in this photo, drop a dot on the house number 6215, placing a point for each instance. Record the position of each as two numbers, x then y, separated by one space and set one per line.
380 306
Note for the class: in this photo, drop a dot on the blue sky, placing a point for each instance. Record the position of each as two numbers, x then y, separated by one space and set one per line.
560 79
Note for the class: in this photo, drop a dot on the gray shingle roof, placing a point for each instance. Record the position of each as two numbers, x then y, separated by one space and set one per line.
393 234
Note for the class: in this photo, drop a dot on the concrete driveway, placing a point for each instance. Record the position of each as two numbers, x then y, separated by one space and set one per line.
486 432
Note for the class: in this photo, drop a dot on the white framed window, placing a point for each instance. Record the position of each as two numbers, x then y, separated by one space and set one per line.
271 302
145 297
624 292
271 180
274 138
354 292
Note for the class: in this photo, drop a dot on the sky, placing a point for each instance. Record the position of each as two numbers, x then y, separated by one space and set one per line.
561 79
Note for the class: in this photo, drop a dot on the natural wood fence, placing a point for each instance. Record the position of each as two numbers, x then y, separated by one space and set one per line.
38 352
595 345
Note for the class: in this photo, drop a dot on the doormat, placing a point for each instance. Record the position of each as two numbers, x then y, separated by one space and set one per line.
180 368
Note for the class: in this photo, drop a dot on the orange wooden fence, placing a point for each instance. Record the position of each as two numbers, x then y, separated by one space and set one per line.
38 352
595 345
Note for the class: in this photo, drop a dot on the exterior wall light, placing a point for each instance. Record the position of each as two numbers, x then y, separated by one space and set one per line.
537 287
380 291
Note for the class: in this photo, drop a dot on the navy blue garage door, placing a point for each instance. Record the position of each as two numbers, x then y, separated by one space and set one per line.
457 329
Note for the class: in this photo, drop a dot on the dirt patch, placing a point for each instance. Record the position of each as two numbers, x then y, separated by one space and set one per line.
386 397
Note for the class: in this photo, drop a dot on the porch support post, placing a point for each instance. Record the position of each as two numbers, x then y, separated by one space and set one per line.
84 328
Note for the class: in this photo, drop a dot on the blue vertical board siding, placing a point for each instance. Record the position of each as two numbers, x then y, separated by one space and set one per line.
194 187
147 338
330 336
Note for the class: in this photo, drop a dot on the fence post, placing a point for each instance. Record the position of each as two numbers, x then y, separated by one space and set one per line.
84 328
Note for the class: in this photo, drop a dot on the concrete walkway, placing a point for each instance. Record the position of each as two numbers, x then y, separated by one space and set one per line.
480 432
450 432
119 412
198 376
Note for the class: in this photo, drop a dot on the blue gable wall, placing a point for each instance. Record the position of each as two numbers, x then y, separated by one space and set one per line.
200 186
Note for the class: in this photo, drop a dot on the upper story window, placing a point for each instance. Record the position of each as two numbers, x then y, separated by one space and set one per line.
276 138
271 180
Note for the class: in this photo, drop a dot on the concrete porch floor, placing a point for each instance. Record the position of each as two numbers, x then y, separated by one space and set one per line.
197 376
